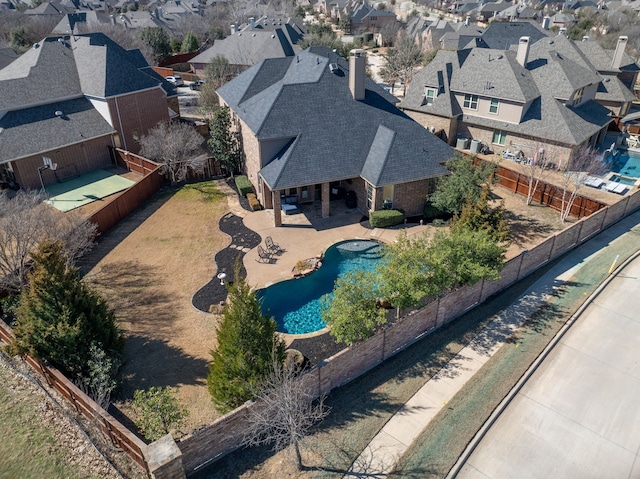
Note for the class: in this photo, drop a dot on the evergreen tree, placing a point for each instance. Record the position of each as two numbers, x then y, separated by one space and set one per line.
248 344
60 318
462 185
158 40
190 43
479 215
224 143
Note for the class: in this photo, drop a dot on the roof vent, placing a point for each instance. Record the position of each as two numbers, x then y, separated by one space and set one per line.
273 36
550 42
253 34
59 113
36 45
61 40
607 80
499 57
333 67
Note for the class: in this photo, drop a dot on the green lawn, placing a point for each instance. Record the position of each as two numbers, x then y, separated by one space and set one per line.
29 448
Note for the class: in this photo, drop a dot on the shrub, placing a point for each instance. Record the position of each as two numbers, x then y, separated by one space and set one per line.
244 185
386 218
158 411
253 202
431 212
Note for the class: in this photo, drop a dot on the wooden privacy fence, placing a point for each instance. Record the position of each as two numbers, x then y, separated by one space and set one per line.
124 204
545 193
118 434
226 433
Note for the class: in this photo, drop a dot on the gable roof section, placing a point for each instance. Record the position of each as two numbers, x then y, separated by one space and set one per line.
496 74
248 47
106 69
333 135
41 75
46 131
445 65
504 35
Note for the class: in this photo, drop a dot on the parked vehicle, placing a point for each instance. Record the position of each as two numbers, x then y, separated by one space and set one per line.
175 79
196 85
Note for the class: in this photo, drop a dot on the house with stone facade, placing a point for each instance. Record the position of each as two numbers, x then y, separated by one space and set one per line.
71 97
313 126
548 94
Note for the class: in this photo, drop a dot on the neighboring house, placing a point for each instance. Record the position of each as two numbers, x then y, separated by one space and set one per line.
88 19
464 35
50 9
505 35
539 96
564 20
259 40
519 12
70 98
365 18
313 126
489 10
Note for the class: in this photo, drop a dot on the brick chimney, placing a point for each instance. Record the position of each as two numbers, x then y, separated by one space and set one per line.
357 66
523 51
616 61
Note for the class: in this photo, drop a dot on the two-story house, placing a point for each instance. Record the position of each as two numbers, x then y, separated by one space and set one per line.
71 97
366 18
537 95
313 124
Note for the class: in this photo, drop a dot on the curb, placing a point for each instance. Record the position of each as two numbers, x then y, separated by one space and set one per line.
462 460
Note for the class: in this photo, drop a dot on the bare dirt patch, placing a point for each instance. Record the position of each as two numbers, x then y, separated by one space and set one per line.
149 267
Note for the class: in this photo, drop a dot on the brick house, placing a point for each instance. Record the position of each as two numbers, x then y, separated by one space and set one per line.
70 98
314 126
365 18
542 95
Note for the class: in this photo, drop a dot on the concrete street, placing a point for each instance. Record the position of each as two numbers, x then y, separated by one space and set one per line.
578 416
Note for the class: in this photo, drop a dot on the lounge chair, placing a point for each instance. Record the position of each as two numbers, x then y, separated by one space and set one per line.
271 246
263 256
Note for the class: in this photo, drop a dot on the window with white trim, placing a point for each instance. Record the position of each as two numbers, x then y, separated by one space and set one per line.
499 137
429 96
470 102
369 195
495 104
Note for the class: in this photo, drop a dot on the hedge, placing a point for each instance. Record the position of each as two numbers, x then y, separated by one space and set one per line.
386 218
244 185
253 202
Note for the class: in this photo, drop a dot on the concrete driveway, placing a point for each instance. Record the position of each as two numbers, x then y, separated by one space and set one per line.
578 416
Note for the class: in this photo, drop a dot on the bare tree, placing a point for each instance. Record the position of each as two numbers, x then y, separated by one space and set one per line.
536 169
178 146
402 61
582 163
24 222
284 412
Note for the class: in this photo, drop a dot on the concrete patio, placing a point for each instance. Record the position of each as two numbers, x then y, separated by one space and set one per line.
303 235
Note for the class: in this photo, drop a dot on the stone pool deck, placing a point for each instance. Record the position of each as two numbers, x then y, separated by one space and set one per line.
303 235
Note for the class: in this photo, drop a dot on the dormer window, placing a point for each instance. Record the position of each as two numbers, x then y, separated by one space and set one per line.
577 96
429 96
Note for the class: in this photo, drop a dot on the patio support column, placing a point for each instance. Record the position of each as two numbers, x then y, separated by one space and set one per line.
277 208
326 209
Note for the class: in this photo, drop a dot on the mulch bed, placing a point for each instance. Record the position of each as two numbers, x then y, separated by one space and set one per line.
242 238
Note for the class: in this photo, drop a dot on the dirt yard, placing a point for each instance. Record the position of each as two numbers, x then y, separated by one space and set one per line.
149 267
151 264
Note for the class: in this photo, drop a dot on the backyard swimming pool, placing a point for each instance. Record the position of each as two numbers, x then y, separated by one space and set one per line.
626 165
295 304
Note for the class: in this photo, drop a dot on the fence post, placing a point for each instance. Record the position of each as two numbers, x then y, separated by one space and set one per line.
165 459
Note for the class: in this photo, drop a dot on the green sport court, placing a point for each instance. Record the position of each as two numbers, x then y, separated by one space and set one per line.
84 189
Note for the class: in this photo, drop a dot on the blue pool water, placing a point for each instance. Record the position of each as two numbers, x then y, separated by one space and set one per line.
295 304
623 180
627 165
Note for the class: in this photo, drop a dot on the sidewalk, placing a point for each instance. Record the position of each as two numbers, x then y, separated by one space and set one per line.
380 456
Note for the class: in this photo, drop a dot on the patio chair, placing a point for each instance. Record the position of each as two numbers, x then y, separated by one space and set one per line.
263 256
271 246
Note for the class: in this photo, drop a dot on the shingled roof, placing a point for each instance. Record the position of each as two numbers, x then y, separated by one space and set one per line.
331 136
554 70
